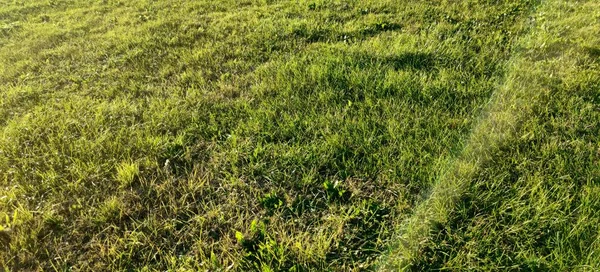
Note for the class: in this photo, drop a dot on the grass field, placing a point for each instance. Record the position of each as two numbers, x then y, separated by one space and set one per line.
299 135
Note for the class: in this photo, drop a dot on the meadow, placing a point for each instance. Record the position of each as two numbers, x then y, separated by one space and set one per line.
277 135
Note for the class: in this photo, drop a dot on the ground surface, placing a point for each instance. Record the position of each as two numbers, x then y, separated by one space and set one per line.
299 135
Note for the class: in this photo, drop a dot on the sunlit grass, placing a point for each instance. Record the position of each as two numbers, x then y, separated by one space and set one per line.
244 135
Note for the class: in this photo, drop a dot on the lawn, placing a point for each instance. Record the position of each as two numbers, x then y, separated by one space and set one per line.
299 135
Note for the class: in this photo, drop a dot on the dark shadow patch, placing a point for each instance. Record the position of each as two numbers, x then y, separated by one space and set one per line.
313 34
408 60
418 61
380 27
593 53
271 202
336 192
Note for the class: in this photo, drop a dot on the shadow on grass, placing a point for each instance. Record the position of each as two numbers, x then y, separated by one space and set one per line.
316 34
408 60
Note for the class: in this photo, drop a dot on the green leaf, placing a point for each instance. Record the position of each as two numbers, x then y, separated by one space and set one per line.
239 236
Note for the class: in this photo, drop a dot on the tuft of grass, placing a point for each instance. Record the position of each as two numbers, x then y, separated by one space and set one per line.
127 172
110 211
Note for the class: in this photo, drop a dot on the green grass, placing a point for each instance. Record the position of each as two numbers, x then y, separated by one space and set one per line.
297 135
533 203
